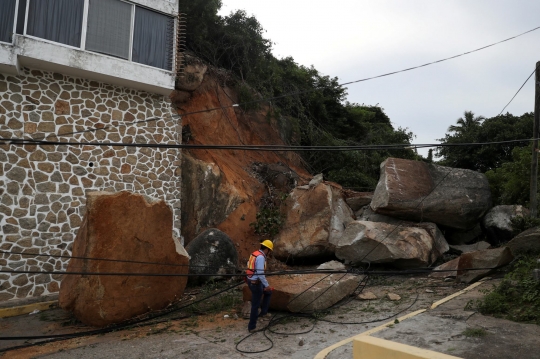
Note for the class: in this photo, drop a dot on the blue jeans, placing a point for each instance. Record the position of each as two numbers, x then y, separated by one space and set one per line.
257 293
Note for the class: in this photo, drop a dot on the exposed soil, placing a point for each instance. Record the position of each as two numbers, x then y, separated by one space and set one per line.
215 334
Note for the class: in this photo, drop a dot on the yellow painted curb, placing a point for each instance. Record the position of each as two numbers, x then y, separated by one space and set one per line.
25 309
366 347
323 353
444 300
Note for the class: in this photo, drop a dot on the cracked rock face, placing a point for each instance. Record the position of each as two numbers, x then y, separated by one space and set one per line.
316 217
308 292
417 191
123 227
405 246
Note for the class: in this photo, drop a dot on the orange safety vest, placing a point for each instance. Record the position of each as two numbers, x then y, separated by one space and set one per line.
251 263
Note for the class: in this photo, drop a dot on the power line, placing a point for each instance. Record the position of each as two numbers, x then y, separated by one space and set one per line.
517 92
269 99
404 146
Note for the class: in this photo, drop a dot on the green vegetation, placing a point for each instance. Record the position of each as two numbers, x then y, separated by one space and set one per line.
227 301
269 222
474 332
506 165
517 297
317 115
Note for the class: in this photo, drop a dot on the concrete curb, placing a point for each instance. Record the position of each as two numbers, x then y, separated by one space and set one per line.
25 309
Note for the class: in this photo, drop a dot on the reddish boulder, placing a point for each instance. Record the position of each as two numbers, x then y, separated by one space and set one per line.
476 265
124 228
308 292
315 217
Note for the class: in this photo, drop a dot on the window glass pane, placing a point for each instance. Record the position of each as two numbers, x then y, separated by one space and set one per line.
56 20
21 15
7 19
153 39
109 27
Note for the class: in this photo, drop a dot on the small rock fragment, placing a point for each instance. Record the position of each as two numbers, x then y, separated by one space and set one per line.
429 291
393 297
366 296
301 342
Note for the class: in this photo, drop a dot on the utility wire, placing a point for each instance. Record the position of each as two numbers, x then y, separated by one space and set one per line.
517 92
22 142
294 93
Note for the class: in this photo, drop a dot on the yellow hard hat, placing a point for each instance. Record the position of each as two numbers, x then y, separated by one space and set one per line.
268 244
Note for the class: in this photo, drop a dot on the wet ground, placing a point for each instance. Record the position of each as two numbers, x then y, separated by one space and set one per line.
216 334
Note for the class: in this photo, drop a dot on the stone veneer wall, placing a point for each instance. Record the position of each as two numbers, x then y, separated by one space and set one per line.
42 188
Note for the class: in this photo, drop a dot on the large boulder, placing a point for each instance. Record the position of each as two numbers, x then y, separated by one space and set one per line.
418 191
498 222
202 185
308 292
527 241
405 245
440 242
475 265
315 217
211 252
134 234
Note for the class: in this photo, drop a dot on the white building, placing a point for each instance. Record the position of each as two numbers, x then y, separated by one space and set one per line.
68 66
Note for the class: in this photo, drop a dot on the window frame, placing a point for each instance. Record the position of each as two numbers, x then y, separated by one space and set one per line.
84 33
15 15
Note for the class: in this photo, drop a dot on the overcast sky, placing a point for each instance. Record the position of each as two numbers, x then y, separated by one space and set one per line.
354 39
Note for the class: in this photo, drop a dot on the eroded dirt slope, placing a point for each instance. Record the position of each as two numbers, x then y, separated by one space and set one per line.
220 189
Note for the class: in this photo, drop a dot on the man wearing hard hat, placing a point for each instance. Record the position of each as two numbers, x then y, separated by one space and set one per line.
258 284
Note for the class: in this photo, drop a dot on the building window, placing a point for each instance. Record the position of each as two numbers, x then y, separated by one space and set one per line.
152 39
112 27
21 14
7 20
56 20
109 27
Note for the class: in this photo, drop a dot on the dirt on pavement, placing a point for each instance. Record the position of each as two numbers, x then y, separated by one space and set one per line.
449 328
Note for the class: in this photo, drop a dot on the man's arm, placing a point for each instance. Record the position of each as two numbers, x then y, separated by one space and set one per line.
259 270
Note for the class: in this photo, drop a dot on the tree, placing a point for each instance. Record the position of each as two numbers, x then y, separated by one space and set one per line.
498 129
316 113
510 183
466 123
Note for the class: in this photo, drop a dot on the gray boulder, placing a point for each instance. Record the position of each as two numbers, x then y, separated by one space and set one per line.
528 241
498 222
211 252
418 191
403 246
440 242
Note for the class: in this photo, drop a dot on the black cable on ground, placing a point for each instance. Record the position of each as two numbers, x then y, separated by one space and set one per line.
109 329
